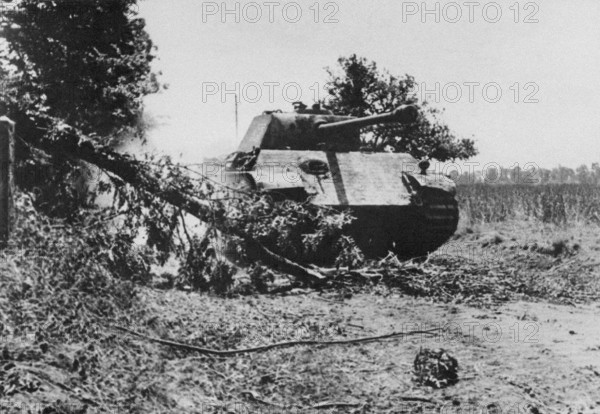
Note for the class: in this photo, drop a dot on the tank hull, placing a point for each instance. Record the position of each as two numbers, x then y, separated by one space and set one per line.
398 207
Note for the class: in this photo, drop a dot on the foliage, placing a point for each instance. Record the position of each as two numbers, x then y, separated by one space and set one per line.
83 63
301 232
64 288
359 88
77 277
550 203
564 175
260 277
203 270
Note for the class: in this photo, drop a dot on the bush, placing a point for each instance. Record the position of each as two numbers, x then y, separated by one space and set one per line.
203 271
66 281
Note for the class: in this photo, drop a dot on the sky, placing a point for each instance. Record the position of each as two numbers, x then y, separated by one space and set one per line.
521 78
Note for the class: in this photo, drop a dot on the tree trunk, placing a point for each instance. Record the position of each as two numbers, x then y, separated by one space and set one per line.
7 128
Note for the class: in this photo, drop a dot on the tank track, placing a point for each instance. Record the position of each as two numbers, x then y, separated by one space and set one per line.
437 222
409 231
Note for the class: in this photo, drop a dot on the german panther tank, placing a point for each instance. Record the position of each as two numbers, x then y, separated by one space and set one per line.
313 155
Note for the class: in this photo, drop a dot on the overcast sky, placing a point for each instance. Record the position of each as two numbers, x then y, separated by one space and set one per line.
543 57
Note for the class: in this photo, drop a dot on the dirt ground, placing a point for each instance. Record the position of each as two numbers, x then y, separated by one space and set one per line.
528 353
522 356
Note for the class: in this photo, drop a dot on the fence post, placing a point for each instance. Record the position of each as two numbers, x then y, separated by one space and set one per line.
7 129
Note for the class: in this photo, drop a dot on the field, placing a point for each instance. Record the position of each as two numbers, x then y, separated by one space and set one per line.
559 204
513 297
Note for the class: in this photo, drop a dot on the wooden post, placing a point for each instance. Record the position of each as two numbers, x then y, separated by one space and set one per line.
7 129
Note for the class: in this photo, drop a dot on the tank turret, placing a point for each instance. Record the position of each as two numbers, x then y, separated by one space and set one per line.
315 129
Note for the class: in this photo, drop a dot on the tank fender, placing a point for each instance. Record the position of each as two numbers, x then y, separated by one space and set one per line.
415 181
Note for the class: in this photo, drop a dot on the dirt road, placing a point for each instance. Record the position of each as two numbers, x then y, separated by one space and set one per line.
520 357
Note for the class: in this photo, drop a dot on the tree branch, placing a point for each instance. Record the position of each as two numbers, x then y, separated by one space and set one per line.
69 143
264 348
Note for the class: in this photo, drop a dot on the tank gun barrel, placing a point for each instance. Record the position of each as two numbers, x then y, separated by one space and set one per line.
404 114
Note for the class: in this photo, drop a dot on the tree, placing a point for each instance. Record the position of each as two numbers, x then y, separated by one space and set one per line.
82 63
563 175
359 88
583 174
78 72
595 173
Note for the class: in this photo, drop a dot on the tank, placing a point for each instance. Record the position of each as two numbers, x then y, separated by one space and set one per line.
315 156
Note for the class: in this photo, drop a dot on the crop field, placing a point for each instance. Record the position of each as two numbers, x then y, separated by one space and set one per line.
548 203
